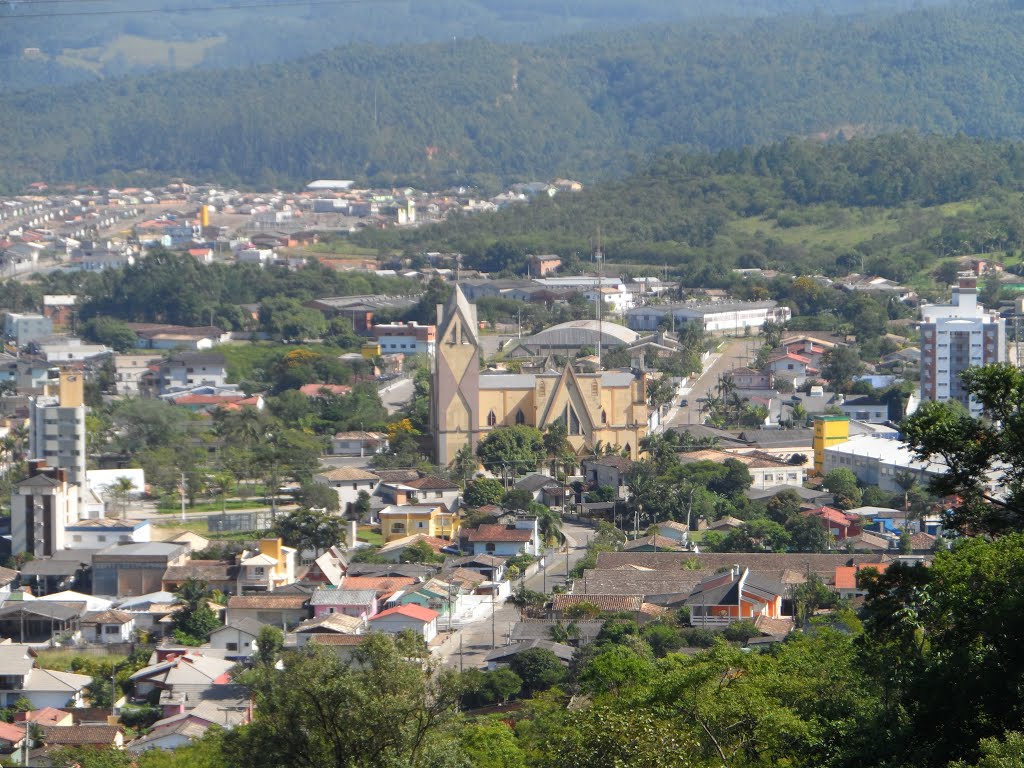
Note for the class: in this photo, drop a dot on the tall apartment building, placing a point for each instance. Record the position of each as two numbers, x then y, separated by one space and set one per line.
57 428
957 336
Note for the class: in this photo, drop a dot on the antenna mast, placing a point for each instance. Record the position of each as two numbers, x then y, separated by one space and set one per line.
599 258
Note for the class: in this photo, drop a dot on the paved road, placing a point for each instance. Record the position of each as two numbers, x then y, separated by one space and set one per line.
396 394
493 628
736 353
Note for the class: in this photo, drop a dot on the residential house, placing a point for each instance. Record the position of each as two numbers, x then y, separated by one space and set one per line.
347 482
420 620
327 570
838 524
502 657
519 538
435 594
279 610
765 470
398 521
136 375
218 574
359 443
329 625
21 678
490 567
186 370
12 738
535 484
788 365
847 582
652 544
605 603
177 337
678 532
108 626
748 378
40 621
736 595
384 586
237 637
609 471
99 533
869 409
394 550
189 671
94 736
270 567
359 603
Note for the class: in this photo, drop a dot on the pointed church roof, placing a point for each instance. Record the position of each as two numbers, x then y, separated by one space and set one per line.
582 412
458 304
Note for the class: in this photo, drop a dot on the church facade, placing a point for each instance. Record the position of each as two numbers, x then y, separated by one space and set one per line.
607 407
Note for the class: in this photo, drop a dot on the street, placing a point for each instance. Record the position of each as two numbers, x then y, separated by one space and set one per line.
736 353
468 646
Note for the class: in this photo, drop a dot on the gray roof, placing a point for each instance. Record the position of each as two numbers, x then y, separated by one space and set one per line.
249 626
507 381
534 482
144 549
563 652
48 609
53 567
343 597
540 629
804 493
580 333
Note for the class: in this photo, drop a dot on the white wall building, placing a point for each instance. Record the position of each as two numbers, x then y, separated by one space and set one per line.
955 337
878 460
716 317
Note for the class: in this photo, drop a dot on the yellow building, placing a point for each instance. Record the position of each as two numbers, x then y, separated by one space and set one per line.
409 519
828 431
607 407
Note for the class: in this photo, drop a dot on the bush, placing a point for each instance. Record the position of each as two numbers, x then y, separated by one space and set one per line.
740 632
698 637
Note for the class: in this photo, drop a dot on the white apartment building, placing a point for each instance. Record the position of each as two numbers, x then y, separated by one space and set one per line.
57 428
957 336
405 338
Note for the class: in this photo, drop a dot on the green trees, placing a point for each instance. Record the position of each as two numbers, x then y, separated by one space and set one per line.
842 484
538 668
839 366
195 620
518 449
378 711
107 330
971 448
483 491
307 528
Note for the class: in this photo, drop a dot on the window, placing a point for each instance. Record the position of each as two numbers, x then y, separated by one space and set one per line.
111 629
490 547
232 646
101 538
594 389
76 537
258 570
574 422
491 419
604 416
520 417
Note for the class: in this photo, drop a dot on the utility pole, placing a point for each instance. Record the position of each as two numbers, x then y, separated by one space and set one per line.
182 497
494 612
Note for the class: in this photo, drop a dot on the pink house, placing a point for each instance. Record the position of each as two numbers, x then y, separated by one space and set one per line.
359 603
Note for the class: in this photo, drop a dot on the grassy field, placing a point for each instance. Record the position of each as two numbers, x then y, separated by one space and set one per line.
845 229
60 658
136 51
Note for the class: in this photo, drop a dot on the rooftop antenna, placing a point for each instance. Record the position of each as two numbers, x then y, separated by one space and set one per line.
599 258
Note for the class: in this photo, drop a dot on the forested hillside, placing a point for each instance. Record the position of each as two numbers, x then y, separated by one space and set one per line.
894 205
47 43
479 112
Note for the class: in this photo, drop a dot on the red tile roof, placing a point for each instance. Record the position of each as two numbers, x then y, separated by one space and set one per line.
611 603
411 611
314 390
381 584
80 734
832 515
11 733
846 575
494 532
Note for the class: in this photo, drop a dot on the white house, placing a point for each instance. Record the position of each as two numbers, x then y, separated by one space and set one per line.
19 677
102 532
359 443
421 620
522 537
108 626
347 482
237 637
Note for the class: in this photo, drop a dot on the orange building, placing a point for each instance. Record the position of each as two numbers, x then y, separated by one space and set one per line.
736 595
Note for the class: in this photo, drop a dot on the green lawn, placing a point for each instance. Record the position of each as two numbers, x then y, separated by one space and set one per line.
60 658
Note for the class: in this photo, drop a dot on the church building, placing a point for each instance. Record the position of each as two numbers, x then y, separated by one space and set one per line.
607 407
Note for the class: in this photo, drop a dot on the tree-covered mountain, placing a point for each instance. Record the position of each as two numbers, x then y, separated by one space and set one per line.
47 43
892 205
480 112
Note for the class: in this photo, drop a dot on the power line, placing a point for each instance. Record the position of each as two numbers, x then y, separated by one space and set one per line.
198 9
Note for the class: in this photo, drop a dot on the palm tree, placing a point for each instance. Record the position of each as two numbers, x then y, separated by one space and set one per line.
120 491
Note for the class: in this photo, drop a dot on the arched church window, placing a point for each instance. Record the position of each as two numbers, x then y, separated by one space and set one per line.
629 451
574 422
604 416
520 417
491 419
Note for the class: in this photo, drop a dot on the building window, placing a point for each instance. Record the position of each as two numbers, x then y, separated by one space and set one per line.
604 416
574 422
258 571
520 417
111 630
491 419
101 538
232 646
490 547
594 389
76 537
